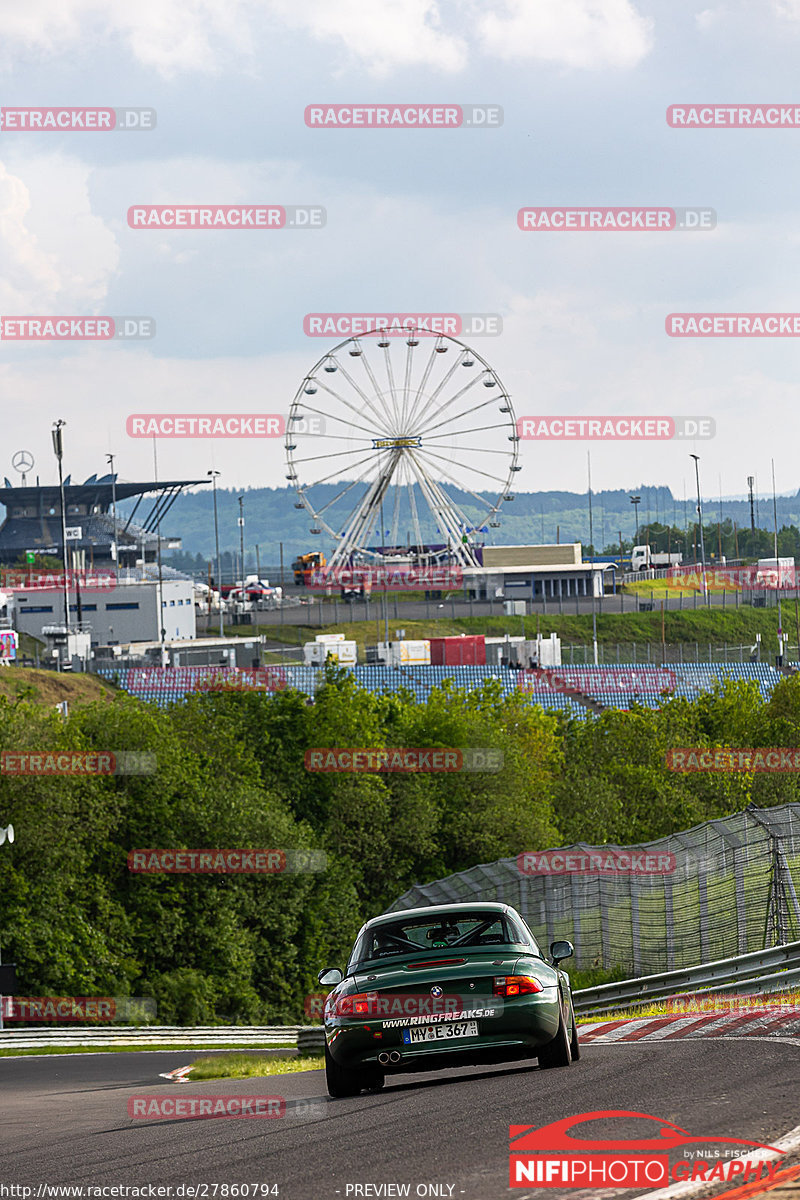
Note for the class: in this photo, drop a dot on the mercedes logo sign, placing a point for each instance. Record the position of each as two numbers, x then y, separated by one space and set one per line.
22 460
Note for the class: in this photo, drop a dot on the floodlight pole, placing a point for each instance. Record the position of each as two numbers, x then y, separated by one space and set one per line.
58 449
110 461
778 575
636 501
214 475
696 458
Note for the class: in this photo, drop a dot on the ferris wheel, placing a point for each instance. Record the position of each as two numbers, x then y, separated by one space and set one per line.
402 433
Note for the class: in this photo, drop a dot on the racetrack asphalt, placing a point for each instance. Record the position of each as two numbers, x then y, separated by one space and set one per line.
65 1118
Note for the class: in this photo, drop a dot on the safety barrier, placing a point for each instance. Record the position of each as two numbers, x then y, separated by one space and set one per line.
773 970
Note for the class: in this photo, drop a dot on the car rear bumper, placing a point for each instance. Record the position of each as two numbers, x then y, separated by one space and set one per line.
519 1033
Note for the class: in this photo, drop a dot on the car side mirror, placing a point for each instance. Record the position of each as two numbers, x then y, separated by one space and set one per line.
561 950
332 975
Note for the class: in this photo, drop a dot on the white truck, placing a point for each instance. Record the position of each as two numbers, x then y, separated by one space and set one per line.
644 559
344 652
404 654
775 573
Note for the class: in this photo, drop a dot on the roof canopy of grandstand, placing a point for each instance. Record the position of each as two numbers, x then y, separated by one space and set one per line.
33 520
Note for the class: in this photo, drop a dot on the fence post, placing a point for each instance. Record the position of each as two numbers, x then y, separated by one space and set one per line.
669 918
635 944
702 895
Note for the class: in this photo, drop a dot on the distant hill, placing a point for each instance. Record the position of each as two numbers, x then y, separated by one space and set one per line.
271 518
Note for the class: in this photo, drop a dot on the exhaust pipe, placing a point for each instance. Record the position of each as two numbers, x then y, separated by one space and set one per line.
394 1056
383 1058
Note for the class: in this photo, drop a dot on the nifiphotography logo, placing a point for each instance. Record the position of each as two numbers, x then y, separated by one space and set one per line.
552 1156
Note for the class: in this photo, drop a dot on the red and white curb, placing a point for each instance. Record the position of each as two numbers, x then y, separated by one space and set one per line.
758 1023
178 1075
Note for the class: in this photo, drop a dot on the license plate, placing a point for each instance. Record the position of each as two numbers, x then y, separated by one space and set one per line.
441 1033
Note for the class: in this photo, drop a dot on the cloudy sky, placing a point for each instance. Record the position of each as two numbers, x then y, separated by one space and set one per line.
417 220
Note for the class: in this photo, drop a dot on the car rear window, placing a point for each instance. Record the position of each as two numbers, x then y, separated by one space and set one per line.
436 931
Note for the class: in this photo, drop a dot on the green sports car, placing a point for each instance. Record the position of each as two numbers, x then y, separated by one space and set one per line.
445 986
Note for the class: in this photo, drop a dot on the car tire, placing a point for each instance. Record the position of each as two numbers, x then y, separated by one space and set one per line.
556 1053
344 1081
574 1045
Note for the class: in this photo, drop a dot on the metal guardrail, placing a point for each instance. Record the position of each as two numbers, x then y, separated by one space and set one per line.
226 1036
772 970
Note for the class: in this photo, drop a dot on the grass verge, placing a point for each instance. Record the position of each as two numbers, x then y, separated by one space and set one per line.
247 1066
705 1005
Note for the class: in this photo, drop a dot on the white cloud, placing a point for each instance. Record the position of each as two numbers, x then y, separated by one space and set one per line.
198 35
788 8
383 35
709 17
573 33
173 36
54 254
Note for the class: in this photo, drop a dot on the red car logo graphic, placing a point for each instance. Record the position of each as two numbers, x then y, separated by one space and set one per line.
556 1136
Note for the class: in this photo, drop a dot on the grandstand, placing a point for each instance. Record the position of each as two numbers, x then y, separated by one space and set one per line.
576 691
33 520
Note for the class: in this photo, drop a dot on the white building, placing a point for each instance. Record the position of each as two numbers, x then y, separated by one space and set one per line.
128 612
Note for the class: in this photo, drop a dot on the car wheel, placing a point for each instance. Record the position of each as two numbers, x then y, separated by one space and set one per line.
574 1045
345 1081
556 1053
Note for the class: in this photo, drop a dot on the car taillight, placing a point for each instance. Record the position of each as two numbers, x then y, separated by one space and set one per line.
515 985
361 1004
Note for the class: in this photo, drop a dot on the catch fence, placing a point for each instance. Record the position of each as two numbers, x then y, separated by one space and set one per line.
724 888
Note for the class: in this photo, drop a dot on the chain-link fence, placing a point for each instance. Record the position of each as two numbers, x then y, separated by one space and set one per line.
726 887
